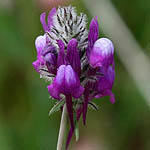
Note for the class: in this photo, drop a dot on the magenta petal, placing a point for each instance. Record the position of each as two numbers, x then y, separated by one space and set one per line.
40 43
107 93
106 82
77 92
50 58
93 31
85 105
58 85
61 54
36 65
102 53
61 44
65 82
72 82
73 57
46 26
70 109
49 48
50 17
71 131
93 35
43 21
60 77
112 97
54 92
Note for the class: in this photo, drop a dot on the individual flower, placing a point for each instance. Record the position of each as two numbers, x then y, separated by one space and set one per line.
79 65
105 84
102 53
40 43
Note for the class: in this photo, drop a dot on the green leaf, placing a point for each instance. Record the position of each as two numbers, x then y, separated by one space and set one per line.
93 105
57 107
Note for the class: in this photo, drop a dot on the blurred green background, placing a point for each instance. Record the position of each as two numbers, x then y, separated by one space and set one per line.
24 99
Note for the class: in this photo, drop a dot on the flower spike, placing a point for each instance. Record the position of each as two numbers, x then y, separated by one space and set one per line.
78 65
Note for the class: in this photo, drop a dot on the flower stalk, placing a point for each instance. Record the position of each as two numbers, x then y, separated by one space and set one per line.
62 129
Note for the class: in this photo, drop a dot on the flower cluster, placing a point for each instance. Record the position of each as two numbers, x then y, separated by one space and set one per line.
78 64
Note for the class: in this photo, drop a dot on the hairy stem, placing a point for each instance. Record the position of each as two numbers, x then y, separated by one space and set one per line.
63 125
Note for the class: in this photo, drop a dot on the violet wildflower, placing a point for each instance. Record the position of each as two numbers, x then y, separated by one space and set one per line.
78 65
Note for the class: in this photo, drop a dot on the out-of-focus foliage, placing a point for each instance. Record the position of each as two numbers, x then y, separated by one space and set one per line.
24 102
136 15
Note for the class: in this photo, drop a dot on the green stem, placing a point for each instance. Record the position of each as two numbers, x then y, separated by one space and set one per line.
63 126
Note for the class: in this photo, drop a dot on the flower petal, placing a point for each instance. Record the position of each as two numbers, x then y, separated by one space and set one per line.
93 31
39 63
65 82
61 54
70 109
36 65
48 49
50 58
93 35
72 82
105 84
51 63
85 105
43 21
102 53
107 93
77 92
73 57
50 17
58 85
40 43
112 96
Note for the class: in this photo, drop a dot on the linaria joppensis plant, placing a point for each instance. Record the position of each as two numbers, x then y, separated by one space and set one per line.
78 65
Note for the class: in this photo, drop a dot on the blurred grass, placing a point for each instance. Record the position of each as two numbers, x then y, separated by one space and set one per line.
24 102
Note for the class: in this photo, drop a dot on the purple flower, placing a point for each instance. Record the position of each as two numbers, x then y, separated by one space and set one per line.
102 53
105 84
40 43
79 65
66 82
47 26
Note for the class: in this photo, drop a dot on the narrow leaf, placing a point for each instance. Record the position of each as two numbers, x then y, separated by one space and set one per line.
93 105
57 107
